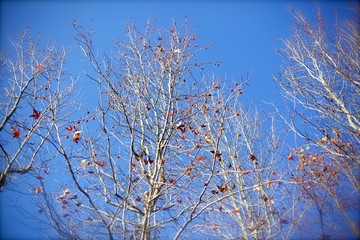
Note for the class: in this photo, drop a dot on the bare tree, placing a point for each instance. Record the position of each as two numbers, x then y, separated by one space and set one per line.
35 89
320 79
138 169
251 195
170 152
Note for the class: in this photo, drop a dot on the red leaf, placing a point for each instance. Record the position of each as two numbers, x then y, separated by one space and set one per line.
36 114
214 192
64 201
16 133
252 157
91 172
39 67
201 158
102 164
236 210
290 157
69 129
39 177
222 188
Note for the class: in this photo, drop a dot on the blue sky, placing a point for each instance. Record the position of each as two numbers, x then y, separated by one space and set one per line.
244 33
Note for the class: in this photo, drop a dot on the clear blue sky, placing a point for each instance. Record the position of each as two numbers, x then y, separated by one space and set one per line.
245 35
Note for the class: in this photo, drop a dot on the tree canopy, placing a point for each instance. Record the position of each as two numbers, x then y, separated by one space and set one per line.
170 150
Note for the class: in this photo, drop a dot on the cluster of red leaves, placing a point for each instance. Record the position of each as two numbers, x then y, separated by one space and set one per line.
317 168
148 160
101 164
16 132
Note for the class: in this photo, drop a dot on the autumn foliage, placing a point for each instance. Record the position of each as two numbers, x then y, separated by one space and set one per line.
170 151
320 65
